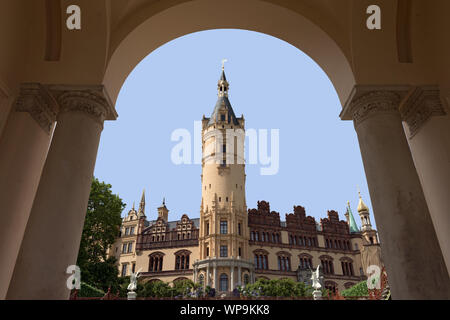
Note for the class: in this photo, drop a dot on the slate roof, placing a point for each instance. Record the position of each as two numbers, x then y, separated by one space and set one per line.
223 101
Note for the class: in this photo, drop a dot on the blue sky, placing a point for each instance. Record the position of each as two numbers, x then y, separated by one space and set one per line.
275 86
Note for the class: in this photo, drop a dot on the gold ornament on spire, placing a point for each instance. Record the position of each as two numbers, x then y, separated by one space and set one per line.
361 205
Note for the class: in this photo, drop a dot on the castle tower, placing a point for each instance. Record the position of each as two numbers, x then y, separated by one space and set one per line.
223 240
163 212
366 227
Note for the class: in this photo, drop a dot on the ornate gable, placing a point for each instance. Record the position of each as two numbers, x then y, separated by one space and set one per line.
332 224
299 221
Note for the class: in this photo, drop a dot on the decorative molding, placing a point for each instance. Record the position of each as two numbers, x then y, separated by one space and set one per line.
366 101
372 103
35 99
92 100
421 104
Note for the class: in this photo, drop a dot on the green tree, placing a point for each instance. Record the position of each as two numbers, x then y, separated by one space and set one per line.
358 290
101 228
277 288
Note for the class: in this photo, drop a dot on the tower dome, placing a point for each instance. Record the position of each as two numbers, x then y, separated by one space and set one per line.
361 205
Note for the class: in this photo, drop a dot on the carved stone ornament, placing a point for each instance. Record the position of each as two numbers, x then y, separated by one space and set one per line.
372 103
420 105
84 101
36 100
90 99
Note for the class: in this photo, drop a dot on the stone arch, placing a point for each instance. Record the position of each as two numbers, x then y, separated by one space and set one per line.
180 279
132 42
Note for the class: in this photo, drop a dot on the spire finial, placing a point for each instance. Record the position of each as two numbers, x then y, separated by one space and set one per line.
164 201
133 205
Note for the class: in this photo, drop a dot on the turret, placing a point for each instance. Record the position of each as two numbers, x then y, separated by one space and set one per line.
141 211
163 212
368 233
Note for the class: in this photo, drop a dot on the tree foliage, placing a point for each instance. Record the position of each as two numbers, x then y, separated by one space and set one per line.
277 288
358 290
101 227
159 289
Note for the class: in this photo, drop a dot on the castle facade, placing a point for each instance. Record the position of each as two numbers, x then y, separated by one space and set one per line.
231 245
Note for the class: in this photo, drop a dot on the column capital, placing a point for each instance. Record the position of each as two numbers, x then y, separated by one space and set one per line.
421 103
92 100
367 100
35 99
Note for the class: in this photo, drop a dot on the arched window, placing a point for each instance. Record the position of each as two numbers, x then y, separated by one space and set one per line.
155 262
327 264
182 259
223 285
331 286
201 280
284 261
252 236
305 261
246 279
261 259
347 266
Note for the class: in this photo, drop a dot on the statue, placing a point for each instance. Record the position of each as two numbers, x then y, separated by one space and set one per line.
133 281
317 294
315 279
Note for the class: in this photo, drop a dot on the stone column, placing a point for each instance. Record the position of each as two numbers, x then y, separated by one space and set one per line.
216 281
195 274
410 249
427 125
23 148
54 228
239 282
232 278
208 282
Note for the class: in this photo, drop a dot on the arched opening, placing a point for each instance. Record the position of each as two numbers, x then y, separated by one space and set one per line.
128 47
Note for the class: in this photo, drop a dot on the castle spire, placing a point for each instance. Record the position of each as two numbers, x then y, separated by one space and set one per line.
352 222
363 211
142 204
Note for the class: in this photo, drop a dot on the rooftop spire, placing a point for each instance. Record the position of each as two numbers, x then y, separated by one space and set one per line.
361 205
222 85
352 222
142 204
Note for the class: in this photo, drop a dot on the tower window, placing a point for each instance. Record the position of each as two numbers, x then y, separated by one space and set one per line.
226 199
224 148
222 117
223 282
220 199
240 251
239 229
224 251
223 227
